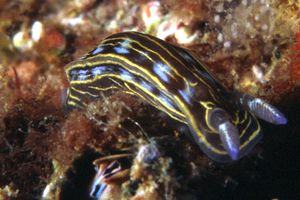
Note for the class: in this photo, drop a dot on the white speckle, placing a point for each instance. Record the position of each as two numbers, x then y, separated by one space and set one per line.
36 31
264 27
256 17
22 41
217 18
147 153
234 30
73 21
151 13
248 25
184 37
264 9
245 2
259 74
220 37
227 44
220 7
46 190
229 16
166 29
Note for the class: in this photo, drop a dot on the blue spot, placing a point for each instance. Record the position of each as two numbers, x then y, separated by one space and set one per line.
121 50
125 43
79 75
162 71
97 50
83 71
187 93
167 101
126 75
147 86
73 72
82 74
185 96
99 70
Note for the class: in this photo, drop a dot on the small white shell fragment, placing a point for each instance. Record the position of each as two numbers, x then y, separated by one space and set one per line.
22 41
36 31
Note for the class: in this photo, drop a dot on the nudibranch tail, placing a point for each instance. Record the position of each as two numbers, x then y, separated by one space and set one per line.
169 78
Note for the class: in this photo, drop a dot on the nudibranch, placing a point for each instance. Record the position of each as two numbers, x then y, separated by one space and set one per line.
223 123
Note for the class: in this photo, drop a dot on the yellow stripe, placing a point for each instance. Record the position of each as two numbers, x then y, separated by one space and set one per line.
155 79
178 60
145 72
147 50
74 97
162 58
183 115
103 89
244 118
154 52
83 92
208 105
247 126
140 52
253 135
162 108
133 83
194 126
73 103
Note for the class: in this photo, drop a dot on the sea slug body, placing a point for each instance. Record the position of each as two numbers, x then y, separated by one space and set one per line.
223 123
